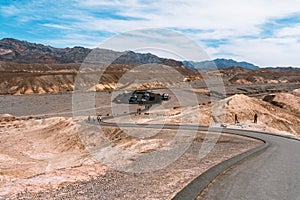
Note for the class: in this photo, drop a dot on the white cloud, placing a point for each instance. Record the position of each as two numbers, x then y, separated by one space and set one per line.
231 15
231 20
290 31
70 40
158 41
57 26
266 52
240 23
9 10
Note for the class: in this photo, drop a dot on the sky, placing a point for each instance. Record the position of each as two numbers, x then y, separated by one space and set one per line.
263 32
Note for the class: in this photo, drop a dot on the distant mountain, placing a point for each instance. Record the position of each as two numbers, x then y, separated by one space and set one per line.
285 69
132 58
220 63
13 50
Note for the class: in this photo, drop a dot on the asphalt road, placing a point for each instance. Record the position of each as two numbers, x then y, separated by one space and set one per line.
273 174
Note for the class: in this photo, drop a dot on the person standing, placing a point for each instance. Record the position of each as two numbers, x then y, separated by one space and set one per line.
255 118
236 121
99 118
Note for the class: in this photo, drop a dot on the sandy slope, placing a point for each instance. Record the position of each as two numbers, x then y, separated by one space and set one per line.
40 147
42 154
271 118
289 101
50 156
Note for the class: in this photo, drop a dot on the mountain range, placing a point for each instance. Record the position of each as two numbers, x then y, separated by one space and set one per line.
13 50
220 63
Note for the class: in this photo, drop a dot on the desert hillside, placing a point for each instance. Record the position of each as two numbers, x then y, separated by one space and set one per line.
238 75
271 117
55 156
287 101
48 79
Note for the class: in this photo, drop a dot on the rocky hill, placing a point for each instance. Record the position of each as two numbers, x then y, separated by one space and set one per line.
241 75
12 50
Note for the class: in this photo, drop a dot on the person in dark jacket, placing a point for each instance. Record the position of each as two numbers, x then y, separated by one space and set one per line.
255 118
236 121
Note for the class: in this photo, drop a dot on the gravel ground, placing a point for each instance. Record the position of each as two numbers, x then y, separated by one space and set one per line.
161 184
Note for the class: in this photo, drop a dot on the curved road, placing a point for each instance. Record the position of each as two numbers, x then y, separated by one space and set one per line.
271 175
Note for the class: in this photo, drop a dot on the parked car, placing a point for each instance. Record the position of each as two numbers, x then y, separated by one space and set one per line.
145 97
165 96
133 99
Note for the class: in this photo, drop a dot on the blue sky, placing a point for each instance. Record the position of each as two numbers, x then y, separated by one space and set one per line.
266 33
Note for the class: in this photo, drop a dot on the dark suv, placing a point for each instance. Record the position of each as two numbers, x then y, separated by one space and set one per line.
145 97
133 99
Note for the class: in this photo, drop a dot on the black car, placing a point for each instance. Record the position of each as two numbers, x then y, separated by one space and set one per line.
133 99
145 97
165 96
